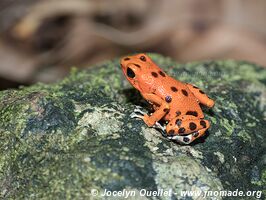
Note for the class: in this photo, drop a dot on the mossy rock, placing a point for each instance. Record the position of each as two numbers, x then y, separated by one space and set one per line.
63 140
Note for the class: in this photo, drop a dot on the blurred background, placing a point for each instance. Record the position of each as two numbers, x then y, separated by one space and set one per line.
41 40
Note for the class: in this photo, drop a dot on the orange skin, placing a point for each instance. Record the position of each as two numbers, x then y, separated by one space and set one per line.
173 101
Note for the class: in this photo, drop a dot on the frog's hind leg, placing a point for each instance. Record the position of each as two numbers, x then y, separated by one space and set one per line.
200 95
186 124
186 129
187 139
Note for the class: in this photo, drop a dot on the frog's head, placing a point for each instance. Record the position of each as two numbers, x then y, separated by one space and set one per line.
137 69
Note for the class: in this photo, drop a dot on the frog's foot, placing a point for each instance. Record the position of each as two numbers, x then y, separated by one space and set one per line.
159 126
186 130
138 113
187 139
181 138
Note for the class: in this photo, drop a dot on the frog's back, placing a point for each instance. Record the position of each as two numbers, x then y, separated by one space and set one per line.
181 100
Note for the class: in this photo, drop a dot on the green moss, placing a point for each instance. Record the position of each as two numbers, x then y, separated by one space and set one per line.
262 182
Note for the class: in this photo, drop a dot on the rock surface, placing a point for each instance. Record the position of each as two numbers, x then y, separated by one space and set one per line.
63 140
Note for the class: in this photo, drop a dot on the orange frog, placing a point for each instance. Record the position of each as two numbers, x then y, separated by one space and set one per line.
174 102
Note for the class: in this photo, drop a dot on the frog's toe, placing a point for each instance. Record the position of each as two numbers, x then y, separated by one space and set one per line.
134 115
181 138
138 110
159 126
138 113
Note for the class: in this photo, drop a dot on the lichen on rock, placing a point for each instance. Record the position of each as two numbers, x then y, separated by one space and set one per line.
62 140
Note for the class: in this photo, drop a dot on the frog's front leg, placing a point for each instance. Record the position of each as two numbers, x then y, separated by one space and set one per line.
158 114
186 129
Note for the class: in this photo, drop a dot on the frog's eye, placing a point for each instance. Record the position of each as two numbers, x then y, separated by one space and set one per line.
143 58
130 73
